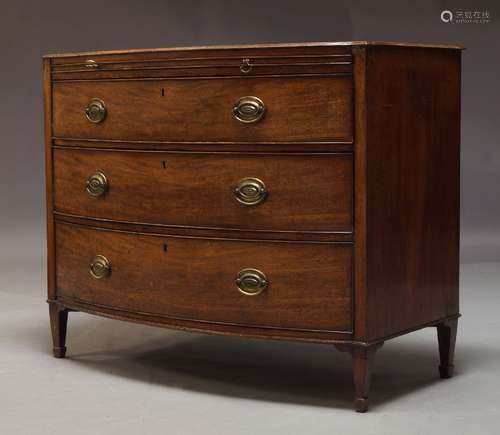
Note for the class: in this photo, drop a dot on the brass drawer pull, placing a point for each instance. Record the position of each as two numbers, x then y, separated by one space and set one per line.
99 267
250 191
96 111
91 64
251 282
245 66
96 184
249 109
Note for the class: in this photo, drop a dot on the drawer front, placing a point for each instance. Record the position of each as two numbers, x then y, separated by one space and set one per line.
206 110
297 192
215 62
302 286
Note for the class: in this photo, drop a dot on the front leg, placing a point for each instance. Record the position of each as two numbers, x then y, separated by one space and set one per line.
58 325
447 336
363 357
362 363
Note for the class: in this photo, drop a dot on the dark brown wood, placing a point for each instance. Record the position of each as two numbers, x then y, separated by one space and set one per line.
194 278
204 66
246 50
298 109
447 336
359 150
58 325
212 328
360 188
221 147
220 233
47 106
191 54
412 187
362 365
363 357
172 188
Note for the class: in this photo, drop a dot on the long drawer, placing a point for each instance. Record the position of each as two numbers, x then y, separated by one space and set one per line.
269 284
280 192
253 109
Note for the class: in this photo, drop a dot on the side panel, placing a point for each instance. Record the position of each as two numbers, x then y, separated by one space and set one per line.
412 182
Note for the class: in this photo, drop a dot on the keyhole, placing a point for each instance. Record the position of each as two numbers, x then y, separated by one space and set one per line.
165 248
164 164
162 92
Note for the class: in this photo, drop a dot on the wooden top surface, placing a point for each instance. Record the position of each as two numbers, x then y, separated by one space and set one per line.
236 47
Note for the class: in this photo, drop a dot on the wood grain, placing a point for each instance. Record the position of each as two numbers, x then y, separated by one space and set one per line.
190 278
49 193
205 66
246 50
359 151
196 190
412 187
298 109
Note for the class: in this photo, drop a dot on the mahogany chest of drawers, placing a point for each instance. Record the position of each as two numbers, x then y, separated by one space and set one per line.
303 192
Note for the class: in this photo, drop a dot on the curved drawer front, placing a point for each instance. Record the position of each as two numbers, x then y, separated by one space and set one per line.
210 190
205 110
296 285
215 62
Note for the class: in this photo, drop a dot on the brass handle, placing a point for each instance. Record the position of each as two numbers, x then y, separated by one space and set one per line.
245 66
251 282
91 64
249 109
250 191
96 111
99 267
96 184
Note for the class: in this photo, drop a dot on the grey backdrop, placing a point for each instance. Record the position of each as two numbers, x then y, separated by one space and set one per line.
31 28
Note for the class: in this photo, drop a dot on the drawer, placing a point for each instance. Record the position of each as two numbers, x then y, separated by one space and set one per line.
297 285
242 62
313 109
279 192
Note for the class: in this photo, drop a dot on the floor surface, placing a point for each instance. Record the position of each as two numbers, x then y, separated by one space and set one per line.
122 378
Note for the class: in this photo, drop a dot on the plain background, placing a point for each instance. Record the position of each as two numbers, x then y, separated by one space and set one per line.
30 28
123 378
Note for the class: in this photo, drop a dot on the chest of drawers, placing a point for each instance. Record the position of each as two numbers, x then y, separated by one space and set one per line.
305 192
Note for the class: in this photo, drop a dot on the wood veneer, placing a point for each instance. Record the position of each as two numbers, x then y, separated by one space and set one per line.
297 109
358 238
172 188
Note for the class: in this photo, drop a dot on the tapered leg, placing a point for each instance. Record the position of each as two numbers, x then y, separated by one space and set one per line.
362 358
58 324
362 363
447 336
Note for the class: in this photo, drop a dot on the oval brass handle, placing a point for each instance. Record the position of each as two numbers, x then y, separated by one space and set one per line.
96 111
96 184
251 282
250 191
99 267
249 109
